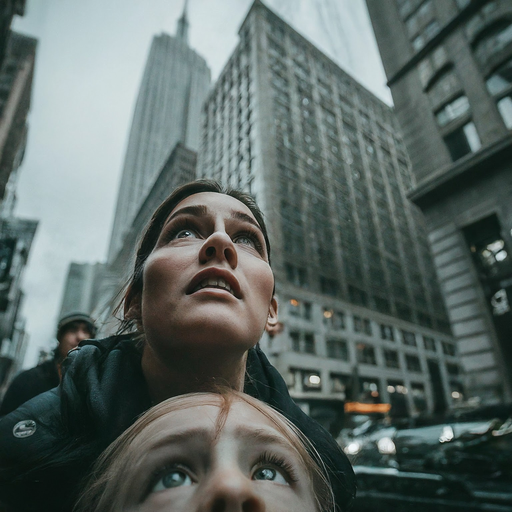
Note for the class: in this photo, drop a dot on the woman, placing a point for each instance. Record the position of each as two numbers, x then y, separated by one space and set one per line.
207 452
199 299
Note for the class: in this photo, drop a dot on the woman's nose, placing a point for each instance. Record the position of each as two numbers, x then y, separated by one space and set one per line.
231 491
219 246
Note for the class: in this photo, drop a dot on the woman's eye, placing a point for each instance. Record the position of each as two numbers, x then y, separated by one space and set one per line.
171 479
245 240
185 233
270 474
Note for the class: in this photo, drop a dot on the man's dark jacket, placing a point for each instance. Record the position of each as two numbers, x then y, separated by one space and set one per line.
29 384
102 393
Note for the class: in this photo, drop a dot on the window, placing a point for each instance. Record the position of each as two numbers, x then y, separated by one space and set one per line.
333 319
357 296
386 332
311 381
328 286
304 343
448 348
309 343
413 363
505 108
453 110
499 84
431 64
429 343
501 79
408 338
295 339
339 320
495 40
337 349
391 359
307 310
462 141
453 369
366 354
300 309
296 275
294 307
444 87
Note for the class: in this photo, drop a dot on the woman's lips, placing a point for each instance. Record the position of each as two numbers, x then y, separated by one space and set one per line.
217 279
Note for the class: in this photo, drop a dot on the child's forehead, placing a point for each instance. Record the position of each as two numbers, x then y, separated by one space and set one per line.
214 418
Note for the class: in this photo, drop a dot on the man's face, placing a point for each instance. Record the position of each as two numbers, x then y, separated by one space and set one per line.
72 335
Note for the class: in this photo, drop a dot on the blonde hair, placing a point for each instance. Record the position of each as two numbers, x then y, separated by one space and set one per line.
106 491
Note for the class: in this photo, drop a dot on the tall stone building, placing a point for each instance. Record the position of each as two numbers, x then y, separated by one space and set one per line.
449 66
16 235
361 311
175 83
81 286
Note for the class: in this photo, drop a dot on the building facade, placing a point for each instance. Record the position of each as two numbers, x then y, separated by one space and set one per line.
168 108
361 311
449 66
82 282
16 235
178 169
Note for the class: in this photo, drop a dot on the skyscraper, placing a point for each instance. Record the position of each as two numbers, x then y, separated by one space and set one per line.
168 108
80 288
449 66
362 315
16 235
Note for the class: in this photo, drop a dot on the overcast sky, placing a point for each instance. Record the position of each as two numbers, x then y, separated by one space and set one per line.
89 65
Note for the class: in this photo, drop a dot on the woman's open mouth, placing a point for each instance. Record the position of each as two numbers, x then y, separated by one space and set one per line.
213 282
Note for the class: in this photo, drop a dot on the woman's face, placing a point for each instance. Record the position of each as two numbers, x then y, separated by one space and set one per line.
187 466
207 282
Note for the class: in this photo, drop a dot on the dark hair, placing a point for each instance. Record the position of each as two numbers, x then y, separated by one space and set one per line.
154 228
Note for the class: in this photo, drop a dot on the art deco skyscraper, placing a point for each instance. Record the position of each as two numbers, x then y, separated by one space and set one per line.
361 312
449 66
168 108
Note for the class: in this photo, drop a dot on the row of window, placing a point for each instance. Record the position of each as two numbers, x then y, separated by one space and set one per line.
334 319
337 348
365 389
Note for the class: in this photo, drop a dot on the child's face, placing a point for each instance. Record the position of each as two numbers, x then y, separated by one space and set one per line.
186 467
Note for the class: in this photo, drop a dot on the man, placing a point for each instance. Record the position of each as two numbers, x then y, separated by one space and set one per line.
71 330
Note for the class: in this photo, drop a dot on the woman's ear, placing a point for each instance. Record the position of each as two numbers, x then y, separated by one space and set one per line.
272 326
132 305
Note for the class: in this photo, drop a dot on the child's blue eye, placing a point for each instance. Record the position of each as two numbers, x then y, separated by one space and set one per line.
269 474
172 478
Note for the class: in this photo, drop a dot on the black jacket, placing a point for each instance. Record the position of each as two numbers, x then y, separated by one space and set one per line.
102 393
29 384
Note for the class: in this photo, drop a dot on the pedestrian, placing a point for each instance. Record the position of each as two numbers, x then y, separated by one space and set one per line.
203 452
200 297
72 328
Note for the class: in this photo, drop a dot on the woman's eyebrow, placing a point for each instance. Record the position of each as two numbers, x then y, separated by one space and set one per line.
196 210
235 214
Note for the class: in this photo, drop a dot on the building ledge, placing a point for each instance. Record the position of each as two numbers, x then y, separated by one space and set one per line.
472 167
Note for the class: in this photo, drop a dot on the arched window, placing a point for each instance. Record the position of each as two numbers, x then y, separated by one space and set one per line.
492 40
443 86
499 84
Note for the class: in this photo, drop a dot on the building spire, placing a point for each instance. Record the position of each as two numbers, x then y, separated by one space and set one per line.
182 32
